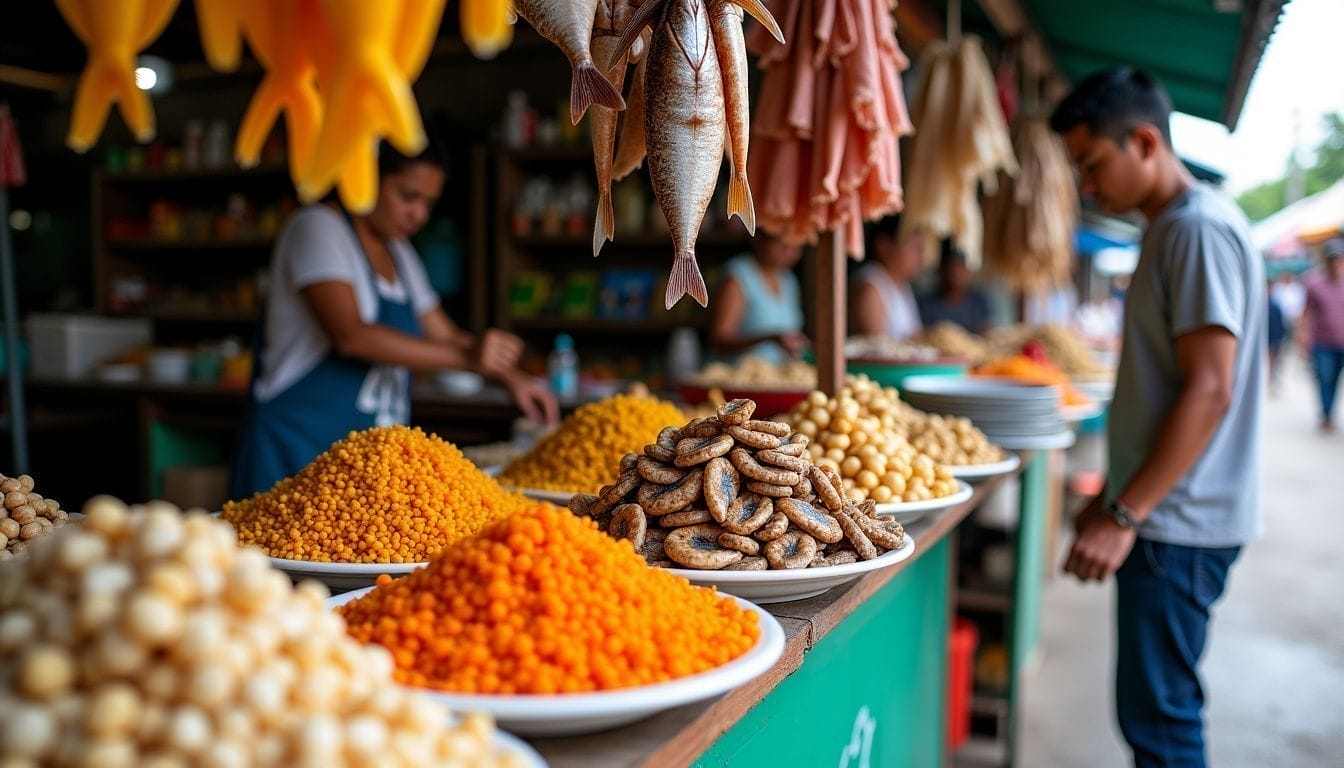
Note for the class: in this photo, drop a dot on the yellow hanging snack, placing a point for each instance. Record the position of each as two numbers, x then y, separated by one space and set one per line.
221 23
114 34
487 26
284 36
383 47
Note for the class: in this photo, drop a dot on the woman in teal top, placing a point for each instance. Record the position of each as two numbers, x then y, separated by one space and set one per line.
757 310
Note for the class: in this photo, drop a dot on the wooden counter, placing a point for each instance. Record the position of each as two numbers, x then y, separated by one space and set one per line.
700 733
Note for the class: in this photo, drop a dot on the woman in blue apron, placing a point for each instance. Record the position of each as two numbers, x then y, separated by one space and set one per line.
349 313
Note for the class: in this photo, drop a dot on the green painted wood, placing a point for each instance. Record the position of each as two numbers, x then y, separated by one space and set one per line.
871 693
171 446
1189 44
1024 621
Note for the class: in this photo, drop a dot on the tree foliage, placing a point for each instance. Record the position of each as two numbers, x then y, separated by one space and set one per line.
1327 167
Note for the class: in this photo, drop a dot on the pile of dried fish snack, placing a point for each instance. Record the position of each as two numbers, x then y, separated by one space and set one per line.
828 121
962 142
1029 222
730 492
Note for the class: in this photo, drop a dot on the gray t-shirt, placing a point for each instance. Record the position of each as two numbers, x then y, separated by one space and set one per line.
1197 269
318 245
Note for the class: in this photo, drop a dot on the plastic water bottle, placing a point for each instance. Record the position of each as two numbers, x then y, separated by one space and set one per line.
562 368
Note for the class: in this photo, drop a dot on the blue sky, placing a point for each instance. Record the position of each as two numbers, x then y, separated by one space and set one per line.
1299 75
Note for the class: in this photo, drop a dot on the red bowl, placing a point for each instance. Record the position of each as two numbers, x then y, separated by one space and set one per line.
769 402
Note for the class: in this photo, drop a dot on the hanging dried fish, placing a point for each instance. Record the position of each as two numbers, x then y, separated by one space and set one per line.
569 24
685 125
1029 221
961 142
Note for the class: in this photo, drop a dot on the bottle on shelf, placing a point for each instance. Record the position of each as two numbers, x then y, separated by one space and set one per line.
683 355
562 368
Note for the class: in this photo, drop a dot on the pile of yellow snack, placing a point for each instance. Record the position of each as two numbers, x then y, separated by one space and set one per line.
860 434
586 449
144 638
384 495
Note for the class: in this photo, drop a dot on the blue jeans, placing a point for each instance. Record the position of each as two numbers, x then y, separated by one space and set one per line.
1329 363
1164 594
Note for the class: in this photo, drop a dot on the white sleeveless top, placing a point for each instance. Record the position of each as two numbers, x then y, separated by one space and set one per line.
898 300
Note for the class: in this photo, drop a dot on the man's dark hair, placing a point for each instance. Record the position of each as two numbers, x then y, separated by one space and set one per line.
1113 102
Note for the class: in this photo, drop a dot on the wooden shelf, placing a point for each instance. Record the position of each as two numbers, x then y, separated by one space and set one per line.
192 316
196 174
560 153
162 244
984 600
596 325
715 240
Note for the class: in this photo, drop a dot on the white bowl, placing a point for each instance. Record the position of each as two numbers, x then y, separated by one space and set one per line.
978 472
342 576
907 512
799 584
569 714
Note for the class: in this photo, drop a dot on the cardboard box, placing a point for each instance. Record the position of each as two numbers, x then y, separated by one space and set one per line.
69 346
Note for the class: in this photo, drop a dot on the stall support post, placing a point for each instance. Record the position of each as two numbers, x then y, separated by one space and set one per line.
1032 555
830 309
18 411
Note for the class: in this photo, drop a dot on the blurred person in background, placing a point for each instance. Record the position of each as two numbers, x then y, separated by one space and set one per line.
882 303
1277 337
1321 334
757 310
1291 296
955 300
1183 490
349 315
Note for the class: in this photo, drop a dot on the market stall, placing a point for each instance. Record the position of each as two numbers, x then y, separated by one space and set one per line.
827 509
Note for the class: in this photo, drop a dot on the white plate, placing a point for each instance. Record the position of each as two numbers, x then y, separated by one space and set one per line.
555 497
503 742
907 512
571 714
974 472
1076 413
977 388
342 575
1035 443
799 584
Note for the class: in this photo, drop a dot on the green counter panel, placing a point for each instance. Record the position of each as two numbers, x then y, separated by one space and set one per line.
871 693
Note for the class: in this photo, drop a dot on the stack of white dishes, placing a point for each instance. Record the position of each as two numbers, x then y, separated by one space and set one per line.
1013 415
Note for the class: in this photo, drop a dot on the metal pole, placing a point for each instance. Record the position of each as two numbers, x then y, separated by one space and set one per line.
18 411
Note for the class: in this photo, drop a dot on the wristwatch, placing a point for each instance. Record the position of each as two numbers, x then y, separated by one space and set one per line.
1122 514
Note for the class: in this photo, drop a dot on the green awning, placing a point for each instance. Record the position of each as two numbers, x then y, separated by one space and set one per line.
1204 51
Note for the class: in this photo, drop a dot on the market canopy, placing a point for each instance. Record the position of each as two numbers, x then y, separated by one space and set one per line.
1311 219
1204 51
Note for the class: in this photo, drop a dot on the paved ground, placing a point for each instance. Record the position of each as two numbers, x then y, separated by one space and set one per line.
1274 669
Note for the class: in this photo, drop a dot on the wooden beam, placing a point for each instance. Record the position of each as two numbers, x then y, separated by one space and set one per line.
830 312
38 81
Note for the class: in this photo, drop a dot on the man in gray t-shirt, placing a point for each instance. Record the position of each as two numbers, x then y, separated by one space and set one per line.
1183 492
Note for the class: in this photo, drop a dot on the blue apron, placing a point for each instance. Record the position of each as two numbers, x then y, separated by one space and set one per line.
282 435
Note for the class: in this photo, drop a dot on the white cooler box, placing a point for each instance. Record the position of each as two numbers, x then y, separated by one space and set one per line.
69 346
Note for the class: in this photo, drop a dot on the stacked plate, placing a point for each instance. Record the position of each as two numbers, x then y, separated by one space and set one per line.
1012 414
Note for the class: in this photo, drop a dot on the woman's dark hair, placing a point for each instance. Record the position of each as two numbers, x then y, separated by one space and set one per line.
1113 102
949 256
887 226
391 161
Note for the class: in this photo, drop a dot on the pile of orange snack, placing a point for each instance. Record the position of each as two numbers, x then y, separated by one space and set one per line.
1024 369
541 603
384 495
